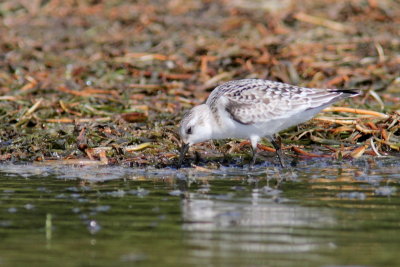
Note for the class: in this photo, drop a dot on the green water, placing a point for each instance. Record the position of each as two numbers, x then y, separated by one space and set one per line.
317 214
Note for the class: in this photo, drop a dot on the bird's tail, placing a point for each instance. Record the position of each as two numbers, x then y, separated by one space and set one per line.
347 92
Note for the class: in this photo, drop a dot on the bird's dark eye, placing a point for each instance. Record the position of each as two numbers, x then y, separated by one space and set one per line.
189 130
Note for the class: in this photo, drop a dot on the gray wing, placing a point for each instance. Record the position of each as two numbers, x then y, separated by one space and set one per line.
251 101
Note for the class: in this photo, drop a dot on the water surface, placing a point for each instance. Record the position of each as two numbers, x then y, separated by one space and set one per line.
317 214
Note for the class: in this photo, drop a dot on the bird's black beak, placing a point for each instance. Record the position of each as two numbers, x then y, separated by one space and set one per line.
184 149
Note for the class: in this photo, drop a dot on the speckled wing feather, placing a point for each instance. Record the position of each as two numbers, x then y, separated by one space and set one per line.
252 101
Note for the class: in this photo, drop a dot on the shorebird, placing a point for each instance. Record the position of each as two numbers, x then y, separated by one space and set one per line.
253 109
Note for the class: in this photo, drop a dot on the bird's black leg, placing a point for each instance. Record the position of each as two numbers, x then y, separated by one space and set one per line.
254 157
278 149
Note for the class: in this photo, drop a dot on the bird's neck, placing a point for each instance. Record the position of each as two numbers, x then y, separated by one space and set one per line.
214 121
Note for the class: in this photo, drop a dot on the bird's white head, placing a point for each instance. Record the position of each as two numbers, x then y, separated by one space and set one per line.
196 125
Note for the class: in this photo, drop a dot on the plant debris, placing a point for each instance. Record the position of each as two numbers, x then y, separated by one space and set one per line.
108 81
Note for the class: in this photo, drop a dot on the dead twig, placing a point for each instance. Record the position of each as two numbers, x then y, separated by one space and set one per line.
308 154
333 25
330 120
358 152
356 111
33 108
365 130
83 120
8 98
137 147
374 148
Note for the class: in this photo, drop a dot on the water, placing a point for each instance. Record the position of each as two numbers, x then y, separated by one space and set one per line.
317 214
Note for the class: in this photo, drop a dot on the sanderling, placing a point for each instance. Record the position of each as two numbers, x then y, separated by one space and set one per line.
252 109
